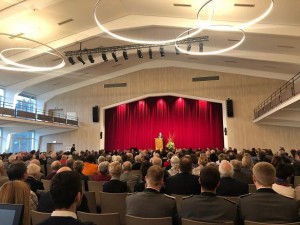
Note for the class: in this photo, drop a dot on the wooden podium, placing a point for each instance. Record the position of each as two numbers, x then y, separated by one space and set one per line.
159 143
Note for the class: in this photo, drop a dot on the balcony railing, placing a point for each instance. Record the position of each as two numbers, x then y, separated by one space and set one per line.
284 93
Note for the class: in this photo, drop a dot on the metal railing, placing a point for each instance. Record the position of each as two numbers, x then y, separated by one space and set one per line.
290 89
7 109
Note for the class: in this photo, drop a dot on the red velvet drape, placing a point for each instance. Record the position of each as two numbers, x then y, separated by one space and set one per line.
195 123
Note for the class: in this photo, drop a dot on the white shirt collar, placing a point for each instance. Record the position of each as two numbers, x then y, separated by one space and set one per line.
64 214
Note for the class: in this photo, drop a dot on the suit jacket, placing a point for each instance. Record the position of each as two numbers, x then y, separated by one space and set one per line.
34 184
129 177
207 207
243 176
115 186
232 187
151 204
183 184
265 205
136 166
55 220
50 175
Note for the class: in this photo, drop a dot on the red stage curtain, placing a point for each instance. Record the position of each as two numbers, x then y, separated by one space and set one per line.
195 123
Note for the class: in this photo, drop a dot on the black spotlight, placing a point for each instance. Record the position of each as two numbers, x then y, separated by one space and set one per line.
104 57
189 47
125 55
71 60
150 53
91 59
80 59
113 54
162 51
139 53
200 46
177 51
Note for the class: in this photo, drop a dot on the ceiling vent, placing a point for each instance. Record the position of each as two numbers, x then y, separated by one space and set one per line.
116 85
182 5
244 5
196 79
65 21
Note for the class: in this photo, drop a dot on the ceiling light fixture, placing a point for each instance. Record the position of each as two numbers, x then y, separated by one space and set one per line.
71 60
139 53
114 55
125 55
200 46
150 53
90 58
161 51
80 59
188 48
104 57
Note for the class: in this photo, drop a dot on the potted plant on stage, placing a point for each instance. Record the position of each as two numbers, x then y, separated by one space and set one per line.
171 145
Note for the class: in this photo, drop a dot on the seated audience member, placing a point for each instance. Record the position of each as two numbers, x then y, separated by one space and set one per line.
167 163
70 162
276 159
296 163
90 168
138 162
208 207
17 192
140 186
247 163
101 159
115 185
228 185
55 165
174 165
126 176
63 160
103 172
265 205
240 175
78 167
282 182
66 193
3 178
33 178
183 183
150 203
202 161
156 161
18 171
38 163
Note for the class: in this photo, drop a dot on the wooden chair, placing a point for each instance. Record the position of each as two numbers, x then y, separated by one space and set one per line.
247 222
252 188
194 222
97 187
37 217
91 201
133 220
114 202
99 219
296 181
46 184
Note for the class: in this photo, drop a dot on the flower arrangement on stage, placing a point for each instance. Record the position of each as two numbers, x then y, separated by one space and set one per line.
171 145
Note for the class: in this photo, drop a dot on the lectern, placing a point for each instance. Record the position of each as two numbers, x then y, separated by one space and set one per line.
159 143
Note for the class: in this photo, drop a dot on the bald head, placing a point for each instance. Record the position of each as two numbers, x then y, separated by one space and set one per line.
226 169
64 169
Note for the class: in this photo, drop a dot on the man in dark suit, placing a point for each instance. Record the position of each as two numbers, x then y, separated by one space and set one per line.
265 205
228 185
240 174
150 203
183 183
66 192
207 207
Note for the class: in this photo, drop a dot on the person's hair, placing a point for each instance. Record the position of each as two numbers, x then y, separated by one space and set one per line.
36 161
108 158
203 160
70 162
247 161
154 175
175 161
126 166
103 167
115 169
144 168
101 159
78 166
170 155
138 158
90 159
33 170
64 189
283 171
55 165
209 177
276 159
226 169
185 164
264 173
156 161
17 192
237 165
16 170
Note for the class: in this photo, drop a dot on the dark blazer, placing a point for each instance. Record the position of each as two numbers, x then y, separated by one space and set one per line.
151 204
115 186
207 207
34 184
55 220
183 184
136 166
265 205
232 187
243 176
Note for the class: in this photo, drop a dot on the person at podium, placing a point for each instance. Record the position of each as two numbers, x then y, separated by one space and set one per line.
160 135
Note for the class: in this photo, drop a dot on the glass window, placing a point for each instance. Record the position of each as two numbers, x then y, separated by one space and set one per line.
27 104
1 96
22 142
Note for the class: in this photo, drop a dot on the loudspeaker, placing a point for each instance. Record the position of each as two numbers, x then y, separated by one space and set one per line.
229 107
96 114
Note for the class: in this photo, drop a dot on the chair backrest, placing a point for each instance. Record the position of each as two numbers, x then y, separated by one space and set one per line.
247 222
131 184
91 201
37 217
194 222
99 219
97 187
114 202
46 184
296 181
252 188
133 220
178 199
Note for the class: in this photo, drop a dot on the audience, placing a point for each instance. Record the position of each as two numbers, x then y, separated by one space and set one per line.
174 166
103 172
282 183
90 168
3 178
239 174
137 163
126 176
33 179
78 167
55 165
202 161
115 185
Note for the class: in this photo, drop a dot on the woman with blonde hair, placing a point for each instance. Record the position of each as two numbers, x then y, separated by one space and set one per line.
202 161
17 192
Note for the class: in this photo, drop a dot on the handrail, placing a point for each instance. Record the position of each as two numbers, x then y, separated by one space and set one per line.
32 113
278 97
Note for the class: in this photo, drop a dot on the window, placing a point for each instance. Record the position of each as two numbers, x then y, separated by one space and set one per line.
25 103
22 142
1 97
0 139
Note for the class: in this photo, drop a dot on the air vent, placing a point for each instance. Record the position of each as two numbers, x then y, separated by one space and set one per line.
115 85
285 46
244 5
196 79
65 21
181 5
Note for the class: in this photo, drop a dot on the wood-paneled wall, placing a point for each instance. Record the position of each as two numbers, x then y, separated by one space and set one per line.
245 91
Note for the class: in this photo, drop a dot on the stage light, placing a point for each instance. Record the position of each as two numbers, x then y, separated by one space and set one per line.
150 53
200 46
162 51
113 54
91 59
189 47
139 53
177 51
125 55
71 60
80 59
104 57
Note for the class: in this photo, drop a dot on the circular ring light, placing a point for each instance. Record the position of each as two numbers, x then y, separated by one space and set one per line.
197 29
215 28
26 68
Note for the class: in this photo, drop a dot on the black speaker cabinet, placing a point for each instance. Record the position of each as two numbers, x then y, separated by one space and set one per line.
96 114
229 106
